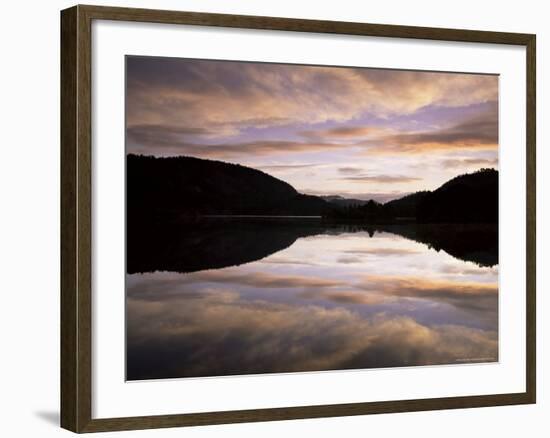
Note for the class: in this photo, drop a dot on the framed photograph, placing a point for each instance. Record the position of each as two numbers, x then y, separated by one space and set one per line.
271 218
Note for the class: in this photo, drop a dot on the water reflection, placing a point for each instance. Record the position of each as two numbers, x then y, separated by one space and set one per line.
218 243
331 300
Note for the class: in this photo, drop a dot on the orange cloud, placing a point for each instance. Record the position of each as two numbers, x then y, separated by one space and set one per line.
155 290
168 141
349 297
469 296
229 96
381 179
426 287
218 333
469 162
479 133
346 132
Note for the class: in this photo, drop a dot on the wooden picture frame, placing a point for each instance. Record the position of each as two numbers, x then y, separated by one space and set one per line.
76 218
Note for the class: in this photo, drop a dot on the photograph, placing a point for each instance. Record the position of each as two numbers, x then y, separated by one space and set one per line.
305 218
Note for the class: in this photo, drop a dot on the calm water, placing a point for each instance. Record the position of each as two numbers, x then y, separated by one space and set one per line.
322 299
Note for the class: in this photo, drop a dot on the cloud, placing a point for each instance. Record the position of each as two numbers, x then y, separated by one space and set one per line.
225 97
286 167
385 251
349 260
475 133
219 333
264 280
152 139
468 296
154 132
282 260
349 297
469 162
345 132
381 179
469 269
350 170
229 278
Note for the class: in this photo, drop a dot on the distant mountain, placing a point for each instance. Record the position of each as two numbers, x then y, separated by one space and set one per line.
189 186
340 201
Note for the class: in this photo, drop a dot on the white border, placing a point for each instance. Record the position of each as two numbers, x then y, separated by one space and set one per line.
112 397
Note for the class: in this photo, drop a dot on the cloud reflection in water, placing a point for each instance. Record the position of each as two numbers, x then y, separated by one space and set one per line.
397 304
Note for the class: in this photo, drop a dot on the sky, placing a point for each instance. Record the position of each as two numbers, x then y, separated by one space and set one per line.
361 133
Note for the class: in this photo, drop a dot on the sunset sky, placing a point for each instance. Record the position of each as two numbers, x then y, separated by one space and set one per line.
326 302
355 132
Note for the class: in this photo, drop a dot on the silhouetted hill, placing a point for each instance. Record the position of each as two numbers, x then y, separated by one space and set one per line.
469 198
192 186
162 188
477 243
405 207
166 198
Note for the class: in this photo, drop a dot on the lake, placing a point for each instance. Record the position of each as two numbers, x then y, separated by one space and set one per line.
247 296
